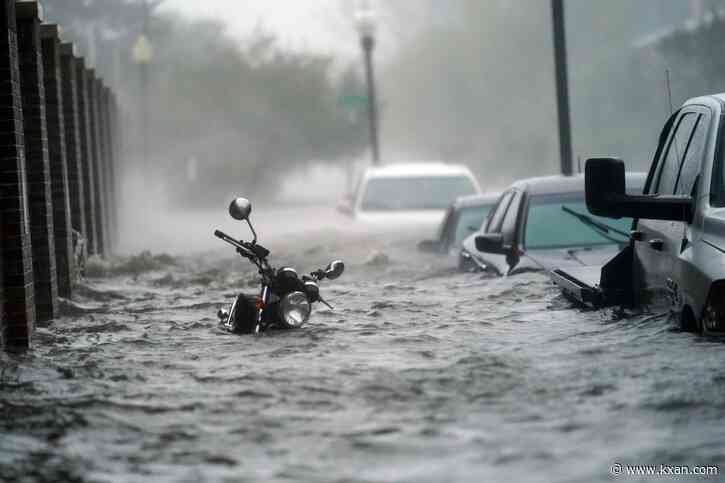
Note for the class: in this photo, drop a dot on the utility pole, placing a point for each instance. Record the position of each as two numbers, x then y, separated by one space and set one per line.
365 20
562 86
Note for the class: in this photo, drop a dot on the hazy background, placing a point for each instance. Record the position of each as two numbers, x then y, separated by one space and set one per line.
243 94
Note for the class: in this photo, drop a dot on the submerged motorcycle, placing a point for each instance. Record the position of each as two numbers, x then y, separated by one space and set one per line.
285 299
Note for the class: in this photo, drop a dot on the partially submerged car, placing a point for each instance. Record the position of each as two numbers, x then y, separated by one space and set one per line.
542 223
675 256
463 217
406 194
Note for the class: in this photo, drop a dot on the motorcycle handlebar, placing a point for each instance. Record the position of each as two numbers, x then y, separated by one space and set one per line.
238 245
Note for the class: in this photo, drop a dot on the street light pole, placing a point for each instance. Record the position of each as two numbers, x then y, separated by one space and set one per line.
145 111
562 86
143 55
368 44
365 19
145 87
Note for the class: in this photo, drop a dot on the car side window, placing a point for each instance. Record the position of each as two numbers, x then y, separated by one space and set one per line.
494 223
693 159
508 227
670 166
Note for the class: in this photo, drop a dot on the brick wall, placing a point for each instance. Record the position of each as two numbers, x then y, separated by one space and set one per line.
57 157
36 158
110 162
87 152
98 160
74 152
18 314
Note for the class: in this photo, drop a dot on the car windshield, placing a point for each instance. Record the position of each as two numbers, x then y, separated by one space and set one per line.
415 193
469 220
550 226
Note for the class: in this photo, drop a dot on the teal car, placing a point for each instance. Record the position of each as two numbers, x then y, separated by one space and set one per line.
543 223
463 217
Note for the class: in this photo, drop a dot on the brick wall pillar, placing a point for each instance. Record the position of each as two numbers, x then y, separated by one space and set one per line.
36 156
106 172
98 166
102 164
57 156
18 314
74 153
116 133
87 154
112 166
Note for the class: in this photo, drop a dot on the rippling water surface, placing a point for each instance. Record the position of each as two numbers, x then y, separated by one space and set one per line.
419 374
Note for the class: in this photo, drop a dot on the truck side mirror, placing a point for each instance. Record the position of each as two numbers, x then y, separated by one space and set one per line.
606 195
491 243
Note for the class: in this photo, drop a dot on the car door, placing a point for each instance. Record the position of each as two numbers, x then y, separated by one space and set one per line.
494 225
659 242
679 282
509 230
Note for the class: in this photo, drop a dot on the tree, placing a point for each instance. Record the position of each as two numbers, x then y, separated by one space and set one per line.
243 113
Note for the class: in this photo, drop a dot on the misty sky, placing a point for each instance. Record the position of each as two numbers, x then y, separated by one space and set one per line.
310 24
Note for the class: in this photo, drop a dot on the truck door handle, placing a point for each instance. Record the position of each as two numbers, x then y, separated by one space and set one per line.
656 244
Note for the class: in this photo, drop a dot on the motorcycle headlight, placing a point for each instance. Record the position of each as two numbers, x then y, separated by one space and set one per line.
312 290
294 309
287 273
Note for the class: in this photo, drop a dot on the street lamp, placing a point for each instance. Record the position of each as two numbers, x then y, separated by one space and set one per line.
366 22
143 55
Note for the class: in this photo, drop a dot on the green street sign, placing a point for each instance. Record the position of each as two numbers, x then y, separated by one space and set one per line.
352 102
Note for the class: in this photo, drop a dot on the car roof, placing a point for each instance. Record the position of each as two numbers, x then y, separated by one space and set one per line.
405 170
716 99
544 185
476 200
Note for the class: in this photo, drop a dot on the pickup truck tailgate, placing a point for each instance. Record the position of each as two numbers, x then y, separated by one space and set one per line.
580 283
599 285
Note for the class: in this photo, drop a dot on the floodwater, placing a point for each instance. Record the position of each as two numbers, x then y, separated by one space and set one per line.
420 374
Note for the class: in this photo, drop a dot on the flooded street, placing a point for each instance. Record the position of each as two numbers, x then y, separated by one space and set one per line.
138 134
419 374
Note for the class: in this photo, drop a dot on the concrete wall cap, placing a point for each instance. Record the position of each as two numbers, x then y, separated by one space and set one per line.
50 31
29 10
68 48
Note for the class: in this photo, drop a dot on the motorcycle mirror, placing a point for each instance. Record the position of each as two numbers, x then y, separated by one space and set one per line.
334 269
240 209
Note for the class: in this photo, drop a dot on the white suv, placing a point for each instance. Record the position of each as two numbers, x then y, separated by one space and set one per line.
409 193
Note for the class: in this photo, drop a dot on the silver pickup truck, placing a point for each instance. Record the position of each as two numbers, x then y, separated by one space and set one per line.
676 254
